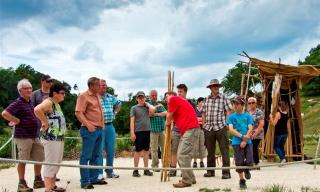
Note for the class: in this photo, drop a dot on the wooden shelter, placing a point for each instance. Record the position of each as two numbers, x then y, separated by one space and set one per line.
283 83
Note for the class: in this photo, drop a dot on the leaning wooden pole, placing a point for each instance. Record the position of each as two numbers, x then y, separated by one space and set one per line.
166 158
269 139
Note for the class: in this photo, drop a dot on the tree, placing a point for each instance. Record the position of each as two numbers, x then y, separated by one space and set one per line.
232 81
312 88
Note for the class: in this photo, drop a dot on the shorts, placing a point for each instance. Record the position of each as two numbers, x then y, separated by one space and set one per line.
142 141
243 157
53 151
175 140
30 149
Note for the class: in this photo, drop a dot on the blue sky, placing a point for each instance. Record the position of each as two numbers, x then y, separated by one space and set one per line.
132 44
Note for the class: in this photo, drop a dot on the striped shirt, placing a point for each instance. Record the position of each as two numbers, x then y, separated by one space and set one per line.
23 110
214 110
109 103
157 123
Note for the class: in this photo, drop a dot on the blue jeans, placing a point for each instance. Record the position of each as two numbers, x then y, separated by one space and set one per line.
279 141
108 143
91 142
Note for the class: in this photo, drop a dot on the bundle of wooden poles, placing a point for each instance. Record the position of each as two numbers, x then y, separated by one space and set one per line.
166 157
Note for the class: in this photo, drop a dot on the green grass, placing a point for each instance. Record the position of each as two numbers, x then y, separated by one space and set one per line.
310 107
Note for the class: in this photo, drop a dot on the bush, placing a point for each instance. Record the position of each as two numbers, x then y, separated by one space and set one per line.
6 152
276 188
124 144
72 146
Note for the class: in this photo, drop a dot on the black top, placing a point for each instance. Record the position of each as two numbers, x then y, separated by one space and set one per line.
281 126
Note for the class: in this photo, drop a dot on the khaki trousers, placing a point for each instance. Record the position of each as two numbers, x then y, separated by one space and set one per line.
156 140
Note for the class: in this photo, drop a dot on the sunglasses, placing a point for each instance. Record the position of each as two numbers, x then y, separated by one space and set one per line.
49 81
251 103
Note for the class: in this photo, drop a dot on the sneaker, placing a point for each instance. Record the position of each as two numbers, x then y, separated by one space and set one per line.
87 186
113 175
209 174
100 176
155 169
99 182
242 184
136 173
195 165
172 173
38 184
23 187
247 174
201 164
226 176
147 173
282 162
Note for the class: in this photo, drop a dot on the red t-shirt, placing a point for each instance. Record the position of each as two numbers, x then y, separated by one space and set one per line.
183 114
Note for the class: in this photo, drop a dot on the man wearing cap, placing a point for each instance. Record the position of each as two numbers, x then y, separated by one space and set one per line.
140 131
41 94
89 112
215 109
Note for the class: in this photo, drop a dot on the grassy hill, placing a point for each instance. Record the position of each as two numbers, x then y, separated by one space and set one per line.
311 115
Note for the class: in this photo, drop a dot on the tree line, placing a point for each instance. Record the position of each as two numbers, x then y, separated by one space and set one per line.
10 76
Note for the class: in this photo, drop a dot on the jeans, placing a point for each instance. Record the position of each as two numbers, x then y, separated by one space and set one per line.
91 149
279 141
108 143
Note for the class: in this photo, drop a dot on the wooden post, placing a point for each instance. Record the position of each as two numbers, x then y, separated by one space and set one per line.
269 139
166 158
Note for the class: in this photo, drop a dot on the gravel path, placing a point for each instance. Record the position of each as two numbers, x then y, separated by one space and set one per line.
293 176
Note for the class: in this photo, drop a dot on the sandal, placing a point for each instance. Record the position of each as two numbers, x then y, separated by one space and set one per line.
58 189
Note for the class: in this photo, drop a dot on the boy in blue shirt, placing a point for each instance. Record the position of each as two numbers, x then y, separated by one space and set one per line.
240 126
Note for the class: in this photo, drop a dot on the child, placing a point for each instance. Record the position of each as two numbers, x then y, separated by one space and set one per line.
240 126
140 131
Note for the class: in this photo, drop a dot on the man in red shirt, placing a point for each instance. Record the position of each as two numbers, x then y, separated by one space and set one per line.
183 114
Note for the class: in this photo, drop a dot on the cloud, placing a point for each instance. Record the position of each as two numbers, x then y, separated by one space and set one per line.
89 50
46 51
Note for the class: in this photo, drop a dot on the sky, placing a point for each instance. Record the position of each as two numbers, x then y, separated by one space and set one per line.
133 43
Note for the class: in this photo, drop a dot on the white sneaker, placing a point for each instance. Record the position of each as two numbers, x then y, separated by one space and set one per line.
282 162
100 176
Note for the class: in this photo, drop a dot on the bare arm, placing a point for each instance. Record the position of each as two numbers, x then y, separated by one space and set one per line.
132 134
234 132
169 118
151 108
274 119
40 111
7 116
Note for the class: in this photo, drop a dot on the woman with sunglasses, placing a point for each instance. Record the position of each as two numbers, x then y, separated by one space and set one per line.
53 128
257 132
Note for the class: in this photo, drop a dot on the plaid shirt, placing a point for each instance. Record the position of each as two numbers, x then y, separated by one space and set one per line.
214 109
109 103
157 123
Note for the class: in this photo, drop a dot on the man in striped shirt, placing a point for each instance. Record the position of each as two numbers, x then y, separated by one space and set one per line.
215 109
110 106
157 121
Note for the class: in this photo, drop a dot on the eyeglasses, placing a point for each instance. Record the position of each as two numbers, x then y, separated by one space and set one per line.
62 93
251 103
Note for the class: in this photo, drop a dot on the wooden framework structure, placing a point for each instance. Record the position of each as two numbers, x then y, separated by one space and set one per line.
283 83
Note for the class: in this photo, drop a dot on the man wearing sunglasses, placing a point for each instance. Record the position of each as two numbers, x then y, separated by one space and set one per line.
41 94
215 109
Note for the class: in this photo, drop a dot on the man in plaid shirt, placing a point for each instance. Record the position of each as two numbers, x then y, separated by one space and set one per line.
215 109
157 121
110 106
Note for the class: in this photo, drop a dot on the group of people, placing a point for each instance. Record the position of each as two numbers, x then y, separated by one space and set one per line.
196 129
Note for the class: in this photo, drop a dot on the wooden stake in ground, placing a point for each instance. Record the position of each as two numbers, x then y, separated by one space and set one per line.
166 157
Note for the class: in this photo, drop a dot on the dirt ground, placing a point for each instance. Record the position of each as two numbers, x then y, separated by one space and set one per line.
292 176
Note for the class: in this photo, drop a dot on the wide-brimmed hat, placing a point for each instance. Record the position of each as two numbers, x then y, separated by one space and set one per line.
214 82
239 99
140 93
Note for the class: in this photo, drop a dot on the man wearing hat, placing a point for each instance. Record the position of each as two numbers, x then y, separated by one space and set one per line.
41 94
140 131
215 109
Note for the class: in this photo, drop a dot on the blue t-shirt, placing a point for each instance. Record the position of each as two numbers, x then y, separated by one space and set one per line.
240 122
